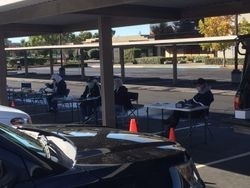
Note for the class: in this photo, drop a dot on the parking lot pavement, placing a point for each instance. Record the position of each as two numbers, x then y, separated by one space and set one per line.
222 162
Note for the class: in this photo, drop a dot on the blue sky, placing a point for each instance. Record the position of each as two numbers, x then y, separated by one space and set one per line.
119 31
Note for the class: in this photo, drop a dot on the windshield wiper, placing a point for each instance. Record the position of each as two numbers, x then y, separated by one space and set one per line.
44 143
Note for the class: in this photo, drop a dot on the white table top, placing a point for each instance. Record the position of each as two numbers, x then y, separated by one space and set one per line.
171 106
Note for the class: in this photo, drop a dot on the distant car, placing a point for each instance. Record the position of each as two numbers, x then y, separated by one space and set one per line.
92 157
12 116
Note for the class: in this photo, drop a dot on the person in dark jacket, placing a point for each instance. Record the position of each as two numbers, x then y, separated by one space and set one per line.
59 88
91 97
121 95
204 97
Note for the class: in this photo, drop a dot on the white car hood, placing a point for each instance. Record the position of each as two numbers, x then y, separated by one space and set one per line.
8 113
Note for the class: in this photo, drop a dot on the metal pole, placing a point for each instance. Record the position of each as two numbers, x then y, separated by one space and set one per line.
121 50
82 63
236 46
51 62
26 64
61 53
175 64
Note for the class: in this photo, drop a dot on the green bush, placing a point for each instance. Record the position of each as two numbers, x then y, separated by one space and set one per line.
200 59
30 60
85 55
131 54
94 53
219 61
151 60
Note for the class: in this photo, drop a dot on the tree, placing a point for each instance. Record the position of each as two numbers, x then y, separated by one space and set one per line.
217 26
95 35
244 27
85 35
185 26
162 28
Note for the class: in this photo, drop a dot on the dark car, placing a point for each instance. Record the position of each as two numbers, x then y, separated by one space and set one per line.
242 97
72 156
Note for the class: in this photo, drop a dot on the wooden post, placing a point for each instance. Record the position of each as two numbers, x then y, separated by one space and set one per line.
3 75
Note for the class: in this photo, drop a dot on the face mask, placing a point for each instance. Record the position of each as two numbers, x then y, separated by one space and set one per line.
90 85
198 89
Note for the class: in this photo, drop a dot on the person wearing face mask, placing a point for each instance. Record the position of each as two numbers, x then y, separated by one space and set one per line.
59 88
91 91
204 97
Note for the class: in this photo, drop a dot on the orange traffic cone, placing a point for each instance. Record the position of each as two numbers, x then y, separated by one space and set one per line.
171 135
133 126
12 104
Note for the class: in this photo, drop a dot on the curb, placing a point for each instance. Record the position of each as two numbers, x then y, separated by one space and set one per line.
139 87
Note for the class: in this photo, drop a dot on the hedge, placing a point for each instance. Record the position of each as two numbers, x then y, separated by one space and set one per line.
219 61
131 54
30 60
94 53
150 60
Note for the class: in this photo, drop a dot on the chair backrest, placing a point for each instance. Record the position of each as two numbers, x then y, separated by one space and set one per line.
26 85
67 92
133 96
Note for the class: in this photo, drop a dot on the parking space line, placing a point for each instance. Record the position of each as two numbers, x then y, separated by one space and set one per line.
223 160
183 128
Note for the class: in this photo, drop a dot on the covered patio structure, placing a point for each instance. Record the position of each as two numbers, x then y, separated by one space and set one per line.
33 17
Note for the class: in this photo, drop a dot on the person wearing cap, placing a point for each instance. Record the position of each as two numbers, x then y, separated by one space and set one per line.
59 88
204 97
92 91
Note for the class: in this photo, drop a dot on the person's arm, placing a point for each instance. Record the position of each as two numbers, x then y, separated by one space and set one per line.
49 85
204 99
84 95
61 88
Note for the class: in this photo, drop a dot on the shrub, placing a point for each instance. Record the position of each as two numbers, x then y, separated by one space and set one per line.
131 54
151 60
219 61
94 53
200 59
85 55
30 60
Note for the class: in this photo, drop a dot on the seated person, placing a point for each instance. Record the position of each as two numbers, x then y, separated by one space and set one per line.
59 88
204 97
121 96
92 90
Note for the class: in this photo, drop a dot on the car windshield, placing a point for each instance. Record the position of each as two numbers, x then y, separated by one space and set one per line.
22 139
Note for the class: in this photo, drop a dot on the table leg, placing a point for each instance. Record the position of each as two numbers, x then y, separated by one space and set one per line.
147 117
190 129
205 129
72 111
162 125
